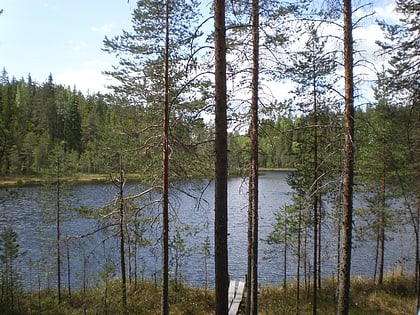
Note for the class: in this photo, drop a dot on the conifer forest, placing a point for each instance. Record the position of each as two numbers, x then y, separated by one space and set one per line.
212 92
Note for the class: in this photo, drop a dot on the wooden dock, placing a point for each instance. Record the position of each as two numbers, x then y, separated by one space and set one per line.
236 292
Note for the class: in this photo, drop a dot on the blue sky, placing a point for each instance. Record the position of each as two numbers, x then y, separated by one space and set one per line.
65 37
61 37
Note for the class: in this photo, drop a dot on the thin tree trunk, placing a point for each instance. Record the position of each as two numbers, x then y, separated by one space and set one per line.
381 253
305 262
339 202
315 198
299 240
221 166
348 176
285 257
382 229
12 285
68 269
315 259
252 287
129 258
416 233
135 262
58 231
165 197
122 240
84 284
319 241
376 256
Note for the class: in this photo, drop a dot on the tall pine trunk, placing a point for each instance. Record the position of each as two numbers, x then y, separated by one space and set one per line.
221 166
348 172
165 197
316 223
252 286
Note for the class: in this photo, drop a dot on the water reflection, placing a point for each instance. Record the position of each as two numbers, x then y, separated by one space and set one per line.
191 205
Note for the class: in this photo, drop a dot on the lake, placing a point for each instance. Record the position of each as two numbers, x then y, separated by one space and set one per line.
86 258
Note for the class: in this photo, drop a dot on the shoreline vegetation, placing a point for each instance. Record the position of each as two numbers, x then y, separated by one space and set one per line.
18 181
396 296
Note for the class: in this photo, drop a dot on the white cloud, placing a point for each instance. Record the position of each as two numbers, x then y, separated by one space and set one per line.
53 7
77 45
106 28
387 12
85 80
97 63
277 90
366 37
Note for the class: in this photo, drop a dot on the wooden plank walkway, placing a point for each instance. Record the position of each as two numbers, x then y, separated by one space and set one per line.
235 296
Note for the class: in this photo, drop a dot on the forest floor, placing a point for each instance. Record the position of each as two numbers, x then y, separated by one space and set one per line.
396 296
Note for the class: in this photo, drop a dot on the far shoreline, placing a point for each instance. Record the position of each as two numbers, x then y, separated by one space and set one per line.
20 181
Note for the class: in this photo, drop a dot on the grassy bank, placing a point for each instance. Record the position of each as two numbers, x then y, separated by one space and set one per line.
81 178
16 181
395 296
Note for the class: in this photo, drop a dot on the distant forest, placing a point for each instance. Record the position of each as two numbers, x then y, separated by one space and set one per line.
37 119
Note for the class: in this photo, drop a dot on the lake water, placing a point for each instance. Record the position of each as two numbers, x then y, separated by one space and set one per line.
86 256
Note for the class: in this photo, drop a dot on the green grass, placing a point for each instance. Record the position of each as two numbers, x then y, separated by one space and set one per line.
10 181
395 296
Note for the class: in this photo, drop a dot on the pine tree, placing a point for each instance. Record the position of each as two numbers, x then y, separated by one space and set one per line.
155 75
402 45
221 166
313 70
380 132
343 301
9 252
252 287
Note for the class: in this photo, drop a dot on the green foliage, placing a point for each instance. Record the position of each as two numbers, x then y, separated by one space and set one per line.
92 129
141 53
395 297
402 83
10 286
285 227
180 250
9 247
276 143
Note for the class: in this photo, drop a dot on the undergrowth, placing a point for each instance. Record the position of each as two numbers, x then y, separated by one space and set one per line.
395 296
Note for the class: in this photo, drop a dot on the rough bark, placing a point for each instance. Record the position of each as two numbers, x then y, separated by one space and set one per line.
221 166
252 286
348 172
316 223
165 197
